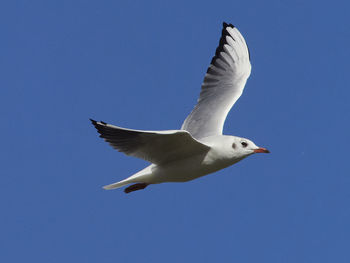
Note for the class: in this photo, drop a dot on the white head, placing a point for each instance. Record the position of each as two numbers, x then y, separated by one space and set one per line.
231 149
243 147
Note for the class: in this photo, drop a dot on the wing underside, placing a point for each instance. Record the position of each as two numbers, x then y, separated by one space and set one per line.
222 86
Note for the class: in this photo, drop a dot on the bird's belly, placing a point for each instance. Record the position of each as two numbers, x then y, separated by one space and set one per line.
185 170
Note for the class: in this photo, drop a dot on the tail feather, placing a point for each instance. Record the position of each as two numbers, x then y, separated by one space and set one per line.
117 184
138 177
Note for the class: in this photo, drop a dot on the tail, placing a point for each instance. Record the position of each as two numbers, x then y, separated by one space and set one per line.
139 177
117 184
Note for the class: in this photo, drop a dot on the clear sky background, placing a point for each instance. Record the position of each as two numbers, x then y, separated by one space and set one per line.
140 64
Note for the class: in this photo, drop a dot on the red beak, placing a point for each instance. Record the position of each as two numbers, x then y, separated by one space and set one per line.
261 150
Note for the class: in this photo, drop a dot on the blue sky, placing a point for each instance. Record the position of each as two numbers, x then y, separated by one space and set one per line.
139 64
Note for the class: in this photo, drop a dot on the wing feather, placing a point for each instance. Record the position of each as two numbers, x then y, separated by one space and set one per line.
157 147
223 85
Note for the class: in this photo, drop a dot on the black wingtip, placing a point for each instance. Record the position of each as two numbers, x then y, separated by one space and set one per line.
224 25
222 41
95 122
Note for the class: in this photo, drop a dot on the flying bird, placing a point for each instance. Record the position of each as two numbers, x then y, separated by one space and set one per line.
199 147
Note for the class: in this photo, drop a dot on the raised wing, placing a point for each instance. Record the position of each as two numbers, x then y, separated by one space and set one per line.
157 147
223 85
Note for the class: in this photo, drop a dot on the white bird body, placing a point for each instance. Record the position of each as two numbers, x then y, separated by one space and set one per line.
199 148
218 157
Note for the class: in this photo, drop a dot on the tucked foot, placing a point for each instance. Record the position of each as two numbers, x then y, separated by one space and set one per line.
135 187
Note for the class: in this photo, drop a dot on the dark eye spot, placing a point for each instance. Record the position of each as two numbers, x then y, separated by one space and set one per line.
244 144
233 145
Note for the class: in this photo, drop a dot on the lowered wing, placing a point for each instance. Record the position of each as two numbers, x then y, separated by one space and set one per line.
157 147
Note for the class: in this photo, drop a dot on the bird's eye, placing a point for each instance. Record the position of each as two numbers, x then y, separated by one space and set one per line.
244 144
233 145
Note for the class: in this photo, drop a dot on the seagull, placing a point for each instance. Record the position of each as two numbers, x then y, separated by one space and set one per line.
199 147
